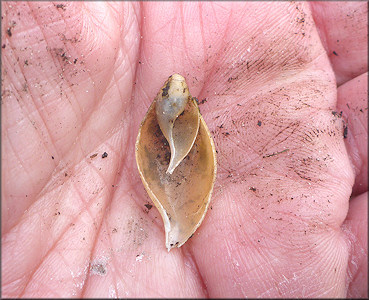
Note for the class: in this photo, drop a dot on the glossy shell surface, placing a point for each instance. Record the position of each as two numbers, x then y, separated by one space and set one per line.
175 156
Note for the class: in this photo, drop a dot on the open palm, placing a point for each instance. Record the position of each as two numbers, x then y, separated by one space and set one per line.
77 81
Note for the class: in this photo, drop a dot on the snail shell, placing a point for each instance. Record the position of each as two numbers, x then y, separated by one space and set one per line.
176 160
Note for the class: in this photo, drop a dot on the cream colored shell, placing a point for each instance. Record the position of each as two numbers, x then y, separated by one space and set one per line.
175 156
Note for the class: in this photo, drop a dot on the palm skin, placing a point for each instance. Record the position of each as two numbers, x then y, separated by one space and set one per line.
78 79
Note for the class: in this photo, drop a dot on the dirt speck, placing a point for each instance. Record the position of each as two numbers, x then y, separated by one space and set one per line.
165 90
345 131
60 6
98 268
203 101
93 155
148 206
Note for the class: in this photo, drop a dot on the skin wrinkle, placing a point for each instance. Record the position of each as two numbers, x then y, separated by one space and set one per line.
258 152
130 65
183 27
19 160
115 10
363 125
351 18
286 226
167 23
353 273
68 266
357 267
45 39
98 228
17 237
294 125
92 253
188 256
96 133
47 253
139 204
42 118
353 117
62 234
116 270
94 168
232 266
38 114
125 172
95 21
4 231
211 74
261 90
356 165
201 25
90 78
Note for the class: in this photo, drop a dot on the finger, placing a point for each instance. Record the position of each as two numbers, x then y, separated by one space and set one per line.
343 30
356 230
353 102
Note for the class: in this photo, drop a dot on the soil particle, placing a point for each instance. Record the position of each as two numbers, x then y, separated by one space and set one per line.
60 6
98 269
203 101
345 130
148 206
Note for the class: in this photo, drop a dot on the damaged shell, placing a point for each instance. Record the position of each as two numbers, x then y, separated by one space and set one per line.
175 156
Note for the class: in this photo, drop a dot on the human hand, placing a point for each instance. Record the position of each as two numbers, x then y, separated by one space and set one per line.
77 81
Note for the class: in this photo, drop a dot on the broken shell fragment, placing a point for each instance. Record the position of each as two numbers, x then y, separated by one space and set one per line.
175 156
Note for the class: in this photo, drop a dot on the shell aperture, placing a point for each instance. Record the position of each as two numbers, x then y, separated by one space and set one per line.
175 156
